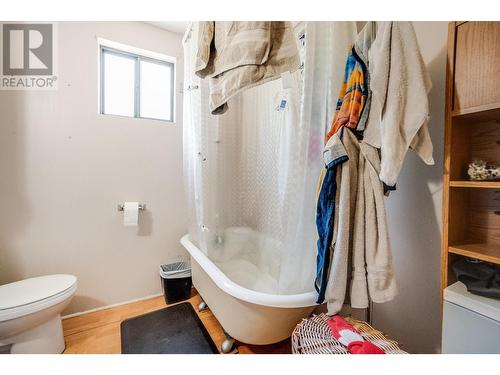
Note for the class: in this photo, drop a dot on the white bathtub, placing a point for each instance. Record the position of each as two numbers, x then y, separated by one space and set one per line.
249 316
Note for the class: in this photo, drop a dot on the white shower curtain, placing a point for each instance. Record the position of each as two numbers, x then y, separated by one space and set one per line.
251 173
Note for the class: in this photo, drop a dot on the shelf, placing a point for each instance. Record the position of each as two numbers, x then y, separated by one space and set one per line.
476 184
471 209
483 251
480 113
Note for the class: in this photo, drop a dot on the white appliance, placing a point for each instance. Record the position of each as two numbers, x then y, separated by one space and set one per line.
471 323
30 320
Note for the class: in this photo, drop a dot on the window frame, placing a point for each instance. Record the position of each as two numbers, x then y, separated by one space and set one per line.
137 57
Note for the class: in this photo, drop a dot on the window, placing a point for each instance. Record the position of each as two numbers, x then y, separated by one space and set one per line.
134 85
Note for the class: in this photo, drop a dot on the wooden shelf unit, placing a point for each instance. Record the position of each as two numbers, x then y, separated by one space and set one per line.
471 209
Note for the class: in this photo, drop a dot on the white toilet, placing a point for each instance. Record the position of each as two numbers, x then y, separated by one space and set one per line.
30 320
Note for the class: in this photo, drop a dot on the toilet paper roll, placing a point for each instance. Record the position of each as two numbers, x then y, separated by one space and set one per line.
130 214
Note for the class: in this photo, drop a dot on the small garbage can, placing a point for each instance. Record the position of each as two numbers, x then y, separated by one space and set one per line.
176 281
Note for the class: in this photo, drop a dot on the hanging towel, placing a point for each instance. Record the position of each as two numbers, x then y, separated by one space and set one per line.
239 55
350 106
326 214
399 111
352 96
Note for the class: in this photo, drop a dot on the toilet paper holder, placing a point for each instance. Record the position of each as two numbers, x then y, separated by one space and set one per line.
142 207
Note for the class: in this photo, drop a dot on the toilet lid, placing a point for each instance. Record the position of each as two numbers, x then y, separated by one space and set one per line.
28 291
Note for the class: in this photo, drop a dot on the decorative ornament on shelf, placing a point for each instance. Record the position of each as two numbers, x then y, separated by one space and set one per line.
479 170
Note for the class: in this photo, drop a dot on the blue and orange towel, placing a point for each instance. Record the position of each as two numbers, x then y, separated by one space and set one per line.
352 96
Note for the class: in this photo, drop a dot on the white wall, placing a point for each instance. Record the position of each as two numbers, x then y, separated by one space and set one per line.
64 168
414 216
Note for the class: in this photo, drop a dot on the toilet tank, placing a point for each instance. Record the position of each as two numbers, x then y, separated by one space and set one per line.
471 323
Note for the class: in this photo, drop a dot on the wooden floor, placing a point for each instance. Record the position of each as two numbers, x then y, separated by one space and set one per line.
99 332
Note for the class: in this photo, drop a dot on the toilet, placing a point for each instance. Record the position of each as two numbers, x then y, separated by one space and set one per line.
30 314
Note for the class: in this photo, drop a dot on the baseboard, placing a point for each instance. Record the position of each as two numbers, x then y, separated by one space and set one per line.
111 306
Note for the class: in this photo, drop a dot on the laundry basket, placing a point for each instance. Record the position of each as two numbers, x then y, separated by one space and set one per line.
313 336
176 281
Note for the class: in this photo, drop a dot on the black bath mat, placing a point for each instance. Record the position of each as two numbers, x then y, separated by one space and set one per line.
174 330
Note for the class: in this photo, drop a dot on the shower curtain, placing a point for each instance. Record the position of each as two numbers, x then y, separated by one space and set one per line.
251 173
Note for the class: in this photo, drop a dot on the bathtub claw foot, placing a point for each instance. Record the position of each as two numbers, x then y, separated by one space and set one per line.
202 306
227 345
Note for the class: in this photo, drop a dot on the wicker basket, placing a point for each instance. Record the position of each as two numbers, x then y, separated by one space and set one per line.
313 336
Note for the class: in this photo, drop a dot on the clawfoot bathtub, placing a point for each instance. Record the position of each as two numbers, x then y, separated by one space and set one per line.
249 316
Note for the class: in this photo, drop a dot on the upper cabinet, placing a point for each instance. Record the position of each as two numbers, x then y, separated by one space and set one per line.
477 67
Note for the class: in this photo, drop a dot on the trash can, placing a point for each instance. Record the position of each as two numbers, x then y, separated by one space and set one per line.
176 281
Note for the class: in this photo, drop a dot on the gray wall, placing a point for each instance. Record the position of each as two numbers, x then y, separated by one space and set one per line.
414 216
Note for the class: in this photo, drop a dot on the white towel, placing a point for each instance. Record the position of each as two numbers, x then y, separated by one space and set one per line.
399 110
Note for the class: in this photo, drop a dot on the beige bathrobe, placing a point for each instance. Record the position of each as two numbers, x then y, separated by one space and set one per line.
239 55
360 230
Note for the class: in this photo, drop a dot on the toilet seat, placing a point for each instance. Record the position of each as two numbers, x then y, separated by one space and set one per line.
31 295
